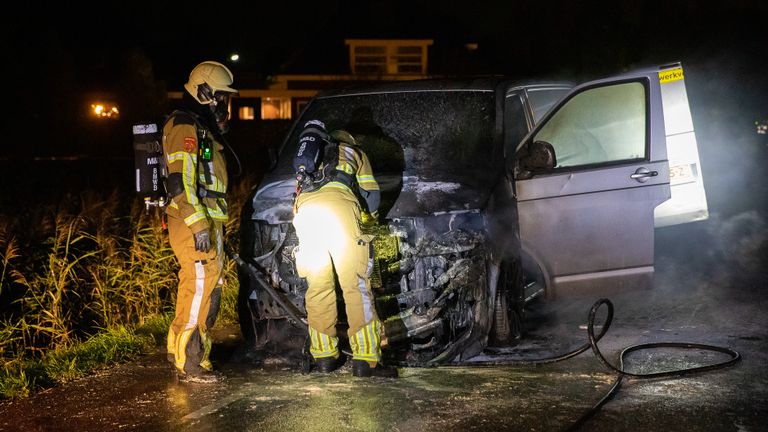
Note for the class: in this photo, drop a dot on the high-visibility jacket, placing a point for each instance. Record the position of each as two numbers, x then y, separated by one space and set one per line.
197 174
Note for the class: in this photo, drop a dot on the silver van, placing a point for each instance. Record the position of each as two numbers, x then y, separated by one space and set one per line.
493 192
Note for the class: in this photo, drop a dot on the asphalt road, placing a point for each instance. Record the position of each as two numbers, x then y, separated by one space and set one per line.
711 289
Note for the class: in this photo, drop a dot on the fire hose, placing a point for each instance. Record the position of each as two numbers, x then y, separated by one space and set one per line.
734 357
621 373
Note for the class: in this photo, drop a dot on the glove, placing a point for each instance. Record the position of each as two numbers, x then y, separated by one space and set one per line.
203 241
369 219
311 142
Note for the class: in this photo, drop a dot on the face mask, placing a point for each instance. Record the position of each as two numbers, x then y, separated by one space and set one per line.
220 108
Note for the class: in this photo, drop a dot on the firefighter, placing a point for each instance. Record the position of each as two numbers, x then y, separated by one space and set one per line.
197 186
332 172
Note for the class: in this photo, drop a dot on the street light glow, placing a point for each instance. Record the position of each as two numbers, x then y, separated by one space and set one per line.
104 110
234 57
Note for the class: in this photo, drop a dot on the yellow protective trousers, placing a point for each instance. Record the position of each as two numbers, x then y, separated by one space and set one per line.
327 223
197 299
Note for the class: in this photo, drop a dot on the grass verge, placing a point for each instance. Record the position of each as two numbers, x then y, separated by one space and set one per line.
20 378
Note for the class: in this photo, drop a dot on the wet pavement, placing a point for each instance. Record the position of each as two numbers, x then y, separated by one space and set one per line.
702 297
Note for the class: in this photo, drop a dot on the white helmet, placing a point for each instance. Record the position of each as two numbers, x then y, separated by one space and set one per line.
215 75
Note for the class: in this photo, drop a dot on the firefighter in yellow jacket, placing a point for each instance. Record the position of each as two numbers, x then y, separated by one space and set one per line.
197 186
334 178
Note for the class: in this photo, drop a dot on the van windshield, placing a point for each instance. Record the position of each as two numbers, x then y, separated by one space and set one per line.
425 135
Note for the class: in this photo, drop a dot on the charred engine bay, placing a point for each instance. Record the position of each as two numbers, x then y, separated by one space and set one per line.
429 280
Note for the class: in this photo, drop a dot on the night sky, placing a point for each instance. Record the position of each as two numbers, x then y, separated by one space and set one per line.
514 37
137 49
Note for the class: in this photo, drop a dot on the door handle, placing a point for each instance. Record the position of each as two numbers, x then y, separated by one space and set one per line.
643 174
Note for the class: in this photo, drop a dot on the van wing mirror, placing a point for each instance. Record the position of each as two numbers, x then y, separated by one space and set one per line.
538 158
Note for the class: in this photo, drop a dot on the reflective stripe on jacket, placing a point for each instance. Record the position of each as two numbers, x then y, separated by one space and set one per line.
181 147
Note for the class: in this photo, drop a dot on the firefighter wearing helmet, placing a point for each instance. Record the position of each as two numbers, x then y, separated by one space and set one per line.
197 186
332 171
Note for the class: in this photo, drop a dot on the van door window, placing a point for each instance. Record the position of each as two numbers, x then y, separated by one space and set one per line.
599 125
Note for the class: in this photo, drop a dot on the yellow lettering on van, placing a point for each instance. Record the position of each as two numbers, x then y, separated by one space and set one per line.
670 75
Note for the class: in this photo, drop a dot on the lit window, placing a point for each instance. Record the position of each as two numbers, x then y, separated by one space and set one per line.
275 108
246 113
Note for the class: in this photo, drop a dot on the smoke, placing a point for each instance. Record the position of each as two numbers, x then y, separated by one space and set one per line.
740 242
714 259
727 93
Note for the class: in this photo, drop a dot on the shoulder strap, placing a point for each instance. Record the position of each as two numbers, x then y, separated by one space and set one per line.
331 154
180 117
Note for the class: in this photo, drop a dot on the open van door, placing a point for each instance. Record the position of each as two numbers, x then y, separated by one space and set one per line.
592 174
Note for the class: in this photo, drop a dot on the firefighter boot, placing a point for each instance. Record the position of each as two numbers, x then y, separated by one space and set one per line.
362 368
326 364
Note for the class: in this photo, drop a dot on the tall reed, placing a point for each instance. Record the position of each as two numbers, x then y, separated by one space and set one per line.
88 265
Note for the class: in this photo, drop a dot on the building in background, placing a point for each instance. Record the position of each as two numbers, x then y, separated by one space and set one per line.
370 60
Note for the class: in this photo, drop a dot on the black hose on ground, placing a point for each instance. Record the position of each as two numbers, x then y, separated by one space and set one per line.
677 373
593 339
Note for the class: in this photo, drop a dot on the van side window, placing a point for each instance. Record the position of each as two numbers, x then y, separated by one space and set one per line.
542 100
599 125
515 124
